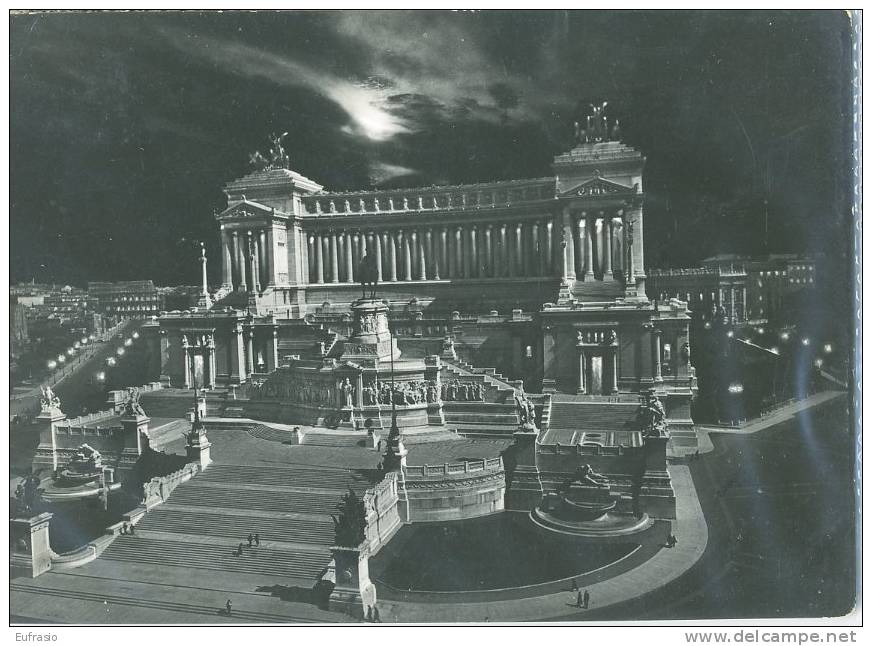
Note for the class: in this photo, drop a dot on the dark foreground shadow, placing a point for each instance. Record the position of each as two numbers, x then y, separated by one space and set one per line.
319 595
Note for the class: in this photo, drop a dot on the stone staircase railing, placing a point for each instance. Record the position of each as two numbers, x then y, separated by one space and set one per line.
490 375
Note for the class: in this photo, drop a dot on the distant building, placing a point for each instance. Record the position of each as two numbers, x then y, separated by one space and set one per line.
180 297
127 299
748 289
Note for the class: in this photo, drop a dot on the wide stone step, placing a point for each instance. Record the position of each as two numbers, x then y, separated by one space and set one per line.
163 553
261 500
290 477
179 521
324 439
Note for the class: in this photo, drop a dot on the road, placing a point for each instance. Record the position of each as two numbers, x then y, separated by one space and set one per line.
80 390
780 508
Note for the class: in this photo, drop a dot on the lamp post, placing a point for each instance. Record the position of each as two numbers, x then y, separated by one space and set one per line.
394 452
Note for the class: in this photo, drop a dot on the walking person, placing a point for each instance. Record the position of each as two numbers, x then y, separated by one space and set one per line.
250 540
130 529
228 607
579 600
239 550
257 540
376 617
586 599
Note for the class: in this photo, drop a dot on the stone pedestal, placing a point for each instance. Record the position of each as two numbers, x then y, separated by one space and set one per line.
30 553
46 452
370 336
198 448
135 439
353 592
524 489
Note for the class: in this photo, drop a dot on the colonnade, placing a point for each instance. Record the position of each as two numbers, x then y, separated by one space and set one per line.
247 259
596 245
517 249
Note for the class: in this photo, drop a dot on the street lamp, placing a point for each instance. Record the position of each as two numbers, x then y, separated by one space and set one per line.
120 352
61 358
136 335
111 362
805 341
730 334
828 348
128 342
52 364
735 388
775 350
784 336
818 363
100 376
760 330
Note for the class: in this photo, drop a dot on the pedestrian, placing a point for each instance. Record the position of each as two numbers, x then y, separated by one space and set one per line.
369 614
586 599
579 600
257 540
250 540
123 528
574 587
130 529
228 607
239 550
376 617
673 540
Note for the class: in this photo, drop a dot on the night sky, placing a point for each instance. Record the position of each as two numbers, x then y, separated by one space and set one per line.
125 126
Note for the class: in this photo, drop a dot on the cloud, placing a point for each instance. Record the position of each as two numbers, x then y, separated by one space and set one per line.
364 101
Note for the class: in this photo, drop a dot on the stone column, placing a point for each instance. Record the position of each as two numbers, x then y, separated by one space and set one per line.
582 372
319 259
275 348
413 246
334 258
422 257
262 262
363 247
519 249
618 228
744 303
186 356
503 265
582 257
569 249
226 266
588 249
629 266
378 255
212 370
349 258
607 252
488 251
241 261
549 248
240 354
444 252
392 256
407 257
475 263
535 251
433 246
658 374
614 370
249 347
458 253
255 279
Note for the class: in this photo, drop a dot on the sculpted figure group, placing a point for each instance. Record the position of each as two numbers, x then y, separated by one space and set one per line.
48 399
458 391
404 393
525 408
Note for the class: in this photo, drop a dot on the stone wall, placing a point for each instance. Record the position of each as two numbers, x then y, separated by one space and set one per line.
157 490
454 491
383 518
